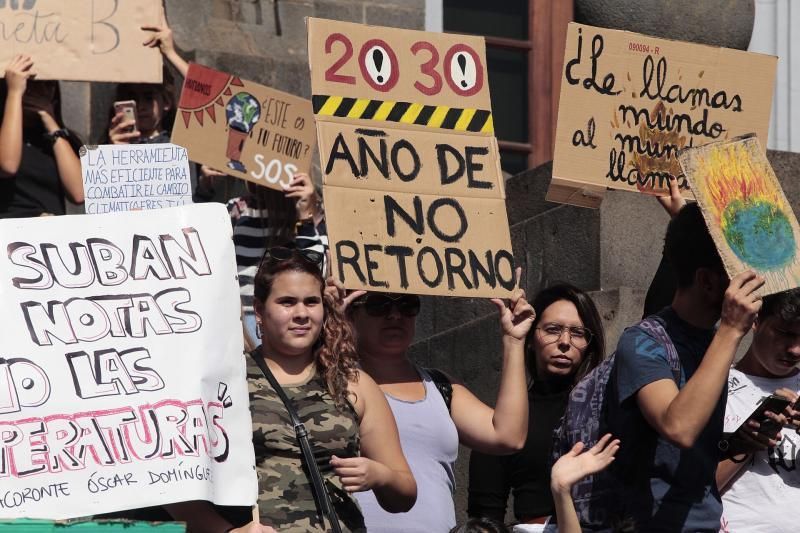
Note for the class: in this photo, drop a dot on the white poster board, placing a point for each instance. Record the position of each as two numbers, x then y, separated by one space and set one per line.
122 379
126 177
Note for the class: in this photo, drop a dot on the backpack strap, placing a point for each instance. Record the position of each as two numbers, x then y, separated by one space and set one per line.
443 385
655 326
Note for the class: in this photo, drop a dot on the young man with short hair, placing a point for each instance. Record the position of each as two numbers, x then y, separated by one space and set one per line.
761 487
670 431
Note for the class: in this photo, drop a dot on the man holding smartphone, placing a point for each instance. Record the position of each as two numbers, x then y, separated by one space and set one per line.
760 484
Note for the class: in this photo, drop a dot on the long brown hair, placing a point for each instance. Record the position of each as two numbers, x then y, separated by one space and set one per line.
595 352
334 351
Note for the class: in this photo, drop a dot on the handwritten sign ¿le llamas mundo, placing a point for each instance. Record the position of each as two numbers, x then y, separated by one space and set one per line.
630 102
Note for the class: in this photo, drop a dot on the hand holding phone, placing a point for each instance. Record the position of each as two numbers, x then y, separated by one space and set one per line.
128 110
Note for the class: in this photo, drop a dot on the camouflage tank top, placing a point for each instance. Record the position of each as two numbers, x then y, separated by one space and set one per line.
286 498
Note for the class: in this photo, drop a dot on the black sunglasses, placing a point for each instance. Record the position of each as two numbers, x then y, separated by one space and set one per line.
282 253
380 304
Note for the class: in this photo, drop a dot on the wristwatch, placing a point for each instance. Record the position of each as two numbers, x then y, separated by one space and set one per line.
54 136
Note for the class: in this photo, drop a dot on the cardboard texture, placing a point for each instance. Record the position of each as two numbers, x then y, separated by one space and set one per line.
414 195
244 129
629 102
126 177
78 40
746 211
130 323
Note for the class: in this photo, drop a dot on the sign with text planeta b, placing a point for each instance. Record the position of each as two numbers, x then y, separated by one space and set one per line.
414 195
97 40
629 102
244 129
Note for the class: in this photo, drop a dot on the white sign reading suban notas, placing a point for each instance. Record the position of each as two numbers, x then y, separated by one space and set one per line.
122 381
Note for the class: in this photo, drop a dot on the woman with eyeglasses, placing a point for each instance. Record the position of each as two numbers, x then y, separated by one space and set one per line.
433 412
565 343
309 349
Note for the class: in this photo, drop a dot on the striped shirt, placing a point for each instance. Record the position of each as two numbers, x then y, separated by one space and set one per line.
251 233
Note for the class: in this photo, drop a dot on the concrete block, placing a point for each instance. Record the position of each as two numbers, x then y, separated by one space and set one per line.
563 244
618 308
683 20
395 17
525 193
79 95
339 10
632 228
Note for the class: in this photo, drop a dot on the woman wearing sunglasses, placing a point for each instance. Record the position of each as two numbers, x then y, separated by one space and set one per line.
430 432
309 350
565 343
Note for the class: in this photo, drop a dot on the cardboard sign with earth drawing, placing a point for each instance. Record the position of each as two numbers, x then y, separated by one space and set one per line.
244 129
746 211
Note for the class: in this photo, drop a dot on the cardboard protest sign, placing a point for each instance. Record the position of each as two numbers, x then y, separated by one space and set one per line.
746 211
122 381
629 102
244 129
99 40
414 195
123 177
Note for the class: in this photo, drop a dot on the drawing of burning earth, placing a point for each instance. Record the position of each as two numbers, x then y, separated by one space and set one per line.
242 113
745 206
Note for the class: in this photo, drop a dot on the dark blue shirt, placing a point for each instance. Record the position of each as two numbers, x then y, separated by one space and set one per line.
667 489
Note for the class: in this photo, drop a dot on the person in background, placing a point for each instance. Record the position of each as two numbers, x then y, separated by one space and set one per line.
672 427
309 348
565 343
39 165
760 483
480 525
434 413
261 217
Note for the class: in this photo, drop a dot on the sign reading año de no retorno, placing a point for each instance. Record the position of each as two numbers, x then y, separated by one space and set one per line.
414 195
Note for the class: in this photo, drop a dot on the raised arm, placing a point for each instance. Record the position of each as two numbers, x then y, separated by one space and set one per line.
571 468
67 162
501 430
18 72
161 37
382 466
680 415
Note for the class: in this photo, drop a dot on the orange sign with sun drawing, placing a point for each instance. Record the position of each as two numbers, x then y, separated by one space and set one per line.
746 210
244 129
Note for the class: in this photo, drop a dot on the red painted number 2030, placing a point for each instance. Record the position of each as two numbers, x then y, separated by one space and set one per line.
379 67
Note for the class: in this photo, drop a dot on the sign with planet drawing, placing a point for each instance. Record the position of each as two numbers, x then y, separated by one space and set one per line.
746 210
244 129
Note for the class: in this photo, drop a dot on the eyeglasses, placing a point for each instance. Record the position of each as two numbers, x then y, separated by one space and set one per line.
579 337
378 304
281 253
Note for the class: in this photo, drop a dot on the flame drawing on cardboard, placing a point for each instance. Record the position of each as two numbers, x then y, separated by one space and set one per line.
630 102
414 196
250 131
746 210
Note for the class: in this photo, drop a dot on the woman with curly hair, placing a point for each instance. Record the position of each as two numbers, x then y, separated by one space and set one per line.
310 351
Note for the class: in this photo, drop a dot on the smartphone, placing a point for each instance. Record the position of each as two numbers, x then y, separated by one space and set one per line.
773 403
127 108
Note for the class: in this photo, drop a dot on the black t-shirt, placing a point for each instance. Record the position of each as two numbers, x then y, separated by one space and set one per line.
527 472
36 188
667 488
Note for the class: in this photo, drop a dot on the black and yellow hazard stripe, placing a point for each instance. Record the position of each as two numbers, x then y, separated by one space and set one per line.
432 116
